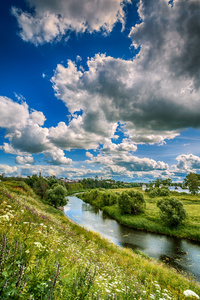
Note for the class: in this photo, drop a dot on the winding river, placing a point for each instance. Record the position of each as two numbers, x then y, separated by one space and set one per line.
184 255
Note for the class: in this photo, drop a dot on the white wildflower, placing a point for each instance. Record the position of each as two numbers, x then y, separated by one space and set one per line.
39 245
189 293
5 217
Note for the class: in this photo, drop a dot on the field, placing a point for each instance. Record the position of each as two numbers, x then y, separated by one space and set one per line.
45 256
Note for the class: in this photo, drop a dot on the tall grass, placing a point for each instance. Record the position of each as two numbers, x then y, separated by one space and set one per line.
45 256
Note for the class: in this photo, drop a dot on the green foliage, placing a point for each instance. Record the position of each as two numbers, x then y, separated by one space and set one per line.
57 195
100 197
158 182
156 192
52 181
131 202
193 183
40 187
172 211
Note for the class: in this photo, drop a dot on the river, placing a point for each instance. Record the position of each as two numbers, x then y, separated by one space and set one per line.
184 255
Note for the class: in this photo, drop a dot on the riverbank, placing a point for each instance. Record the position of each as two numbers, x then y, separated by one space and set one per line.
150 220
45 256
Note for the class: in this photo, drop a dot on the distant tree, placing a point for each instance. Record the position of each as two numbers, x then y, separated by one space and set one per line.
40 187
172 211
56 196
192 182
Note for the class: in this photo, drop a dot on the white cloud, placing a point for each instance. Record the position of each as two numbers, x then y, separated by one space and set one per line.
7 170
128 162
81 133
56 156
12 114
53 19
88 154
7 148
124 146
24 160
187 163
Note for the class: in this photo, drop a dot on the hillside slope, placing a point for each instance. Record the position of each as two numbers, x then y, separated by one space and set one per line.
45 256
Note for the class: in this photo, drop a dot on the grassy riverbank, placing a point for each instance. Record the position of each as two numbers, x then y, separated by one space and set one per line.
150 220
45 256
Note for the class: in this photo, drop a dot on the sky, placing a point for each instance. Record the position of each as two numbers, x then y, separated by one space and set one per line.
105 88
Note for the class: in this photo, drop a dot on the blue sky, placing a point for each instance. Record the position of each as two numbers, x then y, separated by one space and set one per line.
108 88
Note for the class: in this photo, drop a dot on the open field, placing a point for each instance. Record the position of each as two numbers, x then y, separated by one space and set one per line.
45 256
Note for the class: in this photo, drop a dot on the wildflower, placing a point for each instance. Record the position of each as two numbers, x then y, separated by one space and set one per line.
189 293
39 245
6 217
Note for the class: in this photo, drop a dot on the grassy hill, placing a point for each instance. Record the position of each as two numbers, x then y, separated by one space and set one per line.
45 256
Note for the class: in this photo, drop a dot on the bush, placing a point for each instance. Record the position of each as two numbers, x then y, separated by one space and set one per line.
57 196
172 211
164 191
131 202
155 192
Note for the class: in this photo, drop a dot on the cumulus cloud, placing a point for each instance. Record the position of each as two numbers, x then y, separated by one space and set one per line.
88 154
12 114
124 146
7 170
78 134
187 163
51 20
156 95
26 134
56 156
126 162
24 160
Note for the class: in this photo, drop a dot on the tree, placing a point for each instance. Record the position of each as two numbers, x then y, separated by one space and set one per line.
57 196
172 211
131 202
192 182
40 187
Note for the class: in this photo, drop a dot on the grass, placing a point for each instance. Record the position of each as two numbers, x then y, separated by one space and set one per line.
45 256
150 220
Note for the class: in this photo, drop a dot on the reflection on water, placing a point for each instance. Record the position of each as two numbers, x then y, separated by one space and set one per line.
178 189
181 254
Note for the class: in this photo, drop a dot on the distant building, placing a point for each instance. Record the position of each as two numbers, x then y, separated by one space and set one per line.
161 185
144 187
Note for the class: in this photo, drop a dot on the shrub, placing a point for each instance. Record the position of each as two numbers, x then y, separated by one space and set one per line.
164 191
131 202
172 211
154 192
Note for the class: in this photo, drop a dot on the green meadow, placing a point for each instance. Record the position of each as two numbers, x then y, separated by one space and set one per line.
43 255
